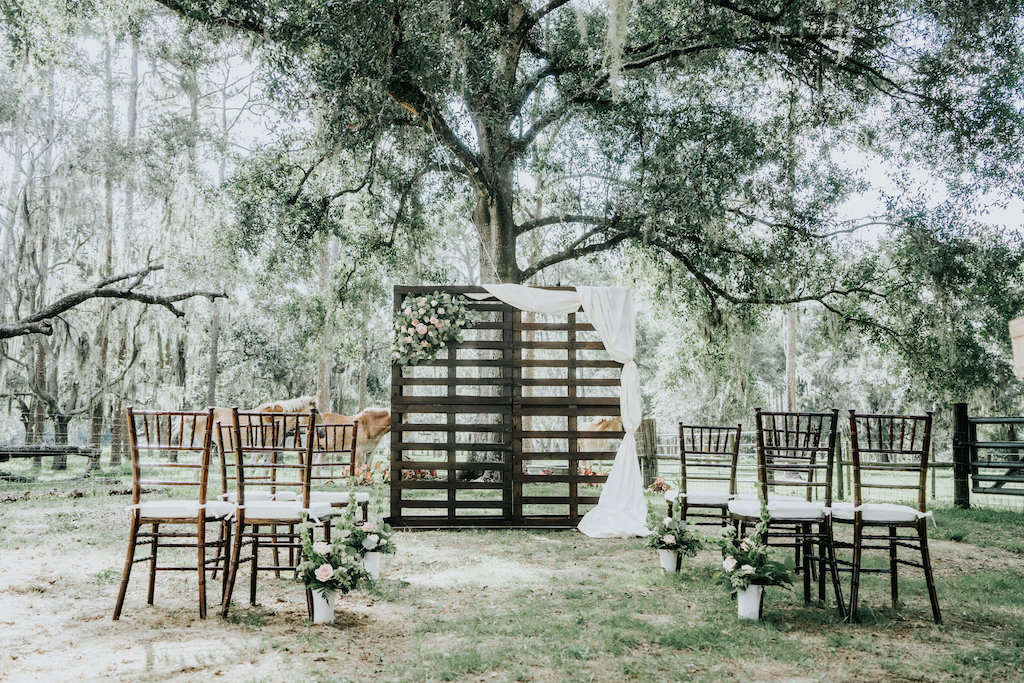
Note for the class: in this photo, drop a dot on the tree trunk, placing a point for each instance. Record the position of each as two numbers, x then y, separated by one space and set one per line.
324 360
495 227
60 436
37 416
118 421
103 343
364 373
211 372
789 341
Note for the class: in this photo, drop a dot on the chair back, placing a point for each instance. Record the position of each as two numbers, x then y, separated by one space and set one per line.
795 453
170 448
270 451
890 452
708 454
334 447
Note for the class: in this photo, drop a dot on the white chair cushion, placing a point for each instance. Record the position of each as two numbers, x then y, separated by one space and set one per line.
782 510
756 497
285 510
877 512
701 497
249 495
184 509
340 497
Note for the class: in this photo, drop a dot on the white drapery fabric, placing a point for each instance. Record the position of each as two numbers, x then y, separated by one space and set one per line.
622 509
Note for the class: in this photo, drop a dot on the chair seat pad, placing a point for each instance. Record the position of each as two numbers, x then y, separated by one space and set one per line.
756 497
341 497
184 509
782 510
877 512
287 510
250 495
701 497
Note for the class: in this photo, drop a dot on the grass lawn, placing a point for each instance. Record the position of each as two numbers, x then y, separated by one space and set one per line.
496 605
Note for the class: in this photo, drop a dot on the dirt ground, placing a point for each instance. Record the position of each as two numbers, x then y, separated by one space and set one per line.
471 606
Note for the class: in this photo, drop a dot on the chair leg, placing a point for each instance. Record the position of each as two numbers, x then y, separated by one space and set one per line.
926 560
255 565
669 509
127 571
829 540
894 584
225 541
232 571
155 543
277 556
821 554
220 547
805 541
291 548
858 534
201 562
309 604
366 512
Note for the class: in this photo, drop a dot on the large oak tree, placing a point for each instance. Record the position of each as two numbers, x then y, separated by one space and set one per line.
711 132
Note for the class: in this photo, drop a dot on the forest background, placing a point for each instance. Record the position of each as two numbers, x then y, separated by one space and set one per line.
815 206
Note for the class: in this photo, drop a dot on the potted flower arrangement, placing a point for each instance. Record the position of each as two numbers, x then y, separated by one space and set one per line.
368 542
424 325
673 539
326 569
747 567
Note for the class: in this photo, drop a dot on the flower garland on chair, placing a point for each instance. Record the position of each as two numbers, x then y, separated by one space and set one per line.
424 325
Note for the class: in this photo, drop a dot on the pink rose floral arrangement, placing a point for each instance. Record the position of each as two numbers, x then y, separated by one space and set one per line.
748 561
674 534
328 567
425 325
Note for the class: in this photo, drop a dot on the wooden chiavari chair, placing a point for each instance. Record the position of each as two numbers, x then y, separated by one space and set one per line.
795 453
272 455
334 448
172 450
706 454
890 453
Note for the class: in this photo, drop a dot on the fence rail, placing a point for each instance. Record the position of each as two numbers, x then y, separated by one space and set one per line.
974 469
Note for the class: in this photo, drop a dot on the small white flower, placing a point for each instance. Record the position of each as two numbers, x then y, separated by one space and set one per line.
322 547
666 521
729 563
370 542
746 569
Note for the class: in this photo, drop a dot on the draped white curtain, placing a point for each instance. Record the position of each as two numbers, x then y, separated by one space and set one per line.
622 509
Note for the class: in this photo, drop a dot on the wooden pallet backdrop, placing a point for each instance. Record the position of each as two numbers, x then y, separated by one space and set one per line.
492 435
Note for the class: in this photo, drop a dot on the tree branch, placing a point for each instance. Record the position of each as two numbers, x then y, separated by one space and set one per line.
575 251
527 226
41 322
242 23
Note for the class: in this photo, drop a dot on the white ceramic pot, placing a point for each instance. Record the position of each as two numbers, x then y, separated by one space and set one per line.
749 601
323 607
371 563
669 560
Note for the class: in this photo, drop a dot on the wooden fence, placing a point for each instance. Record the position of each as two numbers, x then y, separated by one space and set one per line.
985 466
